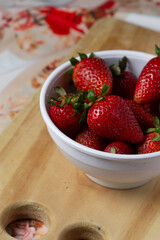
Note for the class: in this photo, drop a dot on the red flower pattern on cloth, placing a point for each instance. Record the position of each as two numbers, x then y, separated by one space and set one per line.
60 21
107 5
28 21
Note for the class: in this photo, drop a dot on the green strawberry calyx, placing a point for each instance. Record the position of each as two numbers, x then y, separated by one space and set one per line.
74 61
157 50
117 69
81 101
112 149
156 123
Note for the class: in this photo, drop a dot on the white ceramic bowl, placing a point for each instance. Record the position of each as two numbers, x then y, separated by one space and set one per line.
118 171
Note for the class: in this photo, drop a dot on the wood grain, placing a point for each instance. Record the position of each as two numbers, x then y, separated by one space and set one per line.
37 181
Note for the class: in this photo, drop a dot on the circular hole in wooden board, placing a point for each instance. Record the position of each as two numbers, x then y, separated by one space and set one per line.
26 214
83 231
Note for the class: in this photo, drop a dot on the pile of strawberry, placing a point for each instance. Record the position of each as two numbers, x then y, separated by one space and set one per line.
112 110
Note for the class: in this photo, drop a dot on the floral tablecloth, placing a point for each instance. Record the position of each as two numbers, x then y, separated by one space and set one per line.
34 37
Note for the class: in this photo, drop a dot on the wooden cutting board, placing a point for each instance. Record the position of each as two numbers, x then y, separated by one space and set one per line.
38 182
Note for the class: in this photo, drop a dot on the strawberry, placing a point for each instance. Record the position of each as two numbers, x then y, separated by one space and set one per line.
151 141
148 84
65 119
149 146
124 82
119 147
91 73
91 140
113 119
64 112
144 118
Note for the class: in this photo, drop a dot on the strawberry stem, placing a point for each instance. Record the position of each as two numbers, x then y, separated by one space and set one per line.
156 139
150 130
91 55
112 149
105 89
91 95
156 121
117 69
74 61
82 55
74 99
83 116
68 100
157 129
60 91
123 63
157 50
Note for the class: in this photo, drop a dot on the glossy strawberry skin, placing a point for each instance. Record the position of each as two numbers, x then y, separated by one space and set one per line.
148 84
91 140
91 73
148 146
124 85
144 118
66 120
120 148
113 119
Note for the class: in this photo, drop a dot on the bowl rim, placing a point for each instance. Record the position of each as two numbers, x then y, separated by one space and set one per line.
103 155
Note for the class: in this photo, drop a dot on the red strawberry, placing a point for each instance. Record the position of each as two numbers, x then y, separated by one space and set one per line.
148 84
151 141
91 73
66 112
124 82
65 119
91 140
113 119
149 146
144 118
119 147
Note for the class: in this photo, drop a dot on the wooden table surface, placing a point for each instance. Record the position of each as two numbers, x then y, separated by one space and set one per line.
38 182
